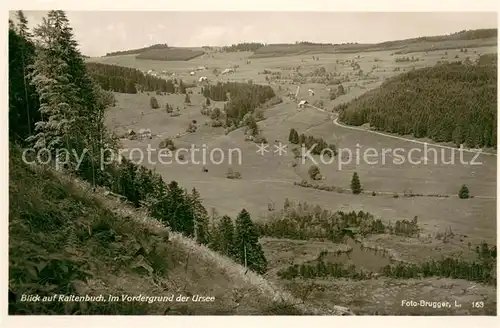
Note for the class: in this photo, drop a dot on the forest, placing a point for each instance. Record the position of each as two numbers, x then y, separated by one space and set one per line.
170 54
246 46
127 80
450 102
243 98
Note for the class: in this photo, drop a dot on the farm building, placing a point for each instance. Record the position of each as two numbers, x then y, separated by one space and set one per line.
227 71
202 79
145 133
311 92
201 68
130 132
303 103
192 73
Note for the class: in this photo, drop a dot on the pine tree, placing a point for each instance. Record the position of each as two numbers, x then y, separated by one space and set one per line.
252 126
247 247
224 237
71 103
52 79
290 136
187 100
302 139
207 102
177 210
200 218
355 184
23 97
463 193
295 137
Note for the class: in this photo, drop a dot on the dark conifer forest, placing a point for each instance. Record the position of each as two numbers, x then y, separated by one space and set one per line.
127 80
450 102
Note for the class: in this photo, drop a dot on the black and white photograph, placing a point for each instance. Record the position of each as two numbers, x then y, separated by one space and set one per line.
252 163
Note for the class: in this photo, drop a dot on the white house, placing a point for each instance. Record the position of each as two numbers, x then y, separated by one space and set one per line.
202 79
311 92
192 73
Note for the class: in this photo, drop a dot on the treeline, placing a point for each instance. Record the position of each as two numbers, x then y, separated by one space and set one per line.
170 54
137 51
23 99
127 80
184 212
303 221
319 144
450 102
245 46
70 107
482 270
243 98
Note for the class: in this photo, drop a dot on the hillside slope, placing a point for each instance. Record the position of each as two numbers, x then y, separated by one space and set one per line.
66 240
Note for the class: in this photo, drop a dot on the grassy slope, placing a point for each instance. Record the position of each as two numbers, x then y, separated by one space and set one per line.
64 239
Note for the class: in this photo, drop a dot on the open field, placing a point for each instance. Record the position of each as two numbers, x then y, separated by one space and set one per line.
269 179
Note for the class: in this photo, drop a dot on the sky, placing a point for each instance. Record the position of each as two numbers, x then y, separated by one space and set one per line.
99 32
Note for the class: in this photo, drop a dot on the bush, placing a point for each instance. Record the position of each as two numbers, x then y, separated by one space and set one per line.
231 174
463 193
153 102
167 143
191 128
314 172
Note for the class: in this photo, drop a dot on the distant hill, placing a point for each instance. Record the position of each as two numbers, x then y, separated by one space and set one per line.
462 39
161 52
138 50
450 102
170 54
126 79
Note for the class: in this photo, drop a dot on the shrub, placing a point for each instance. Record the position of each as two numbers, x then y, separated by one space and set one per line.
167 143
314 172
153 102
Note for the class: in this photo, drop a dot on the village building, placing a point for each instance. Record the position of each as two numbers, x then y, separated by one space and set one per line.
303 103
145 134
